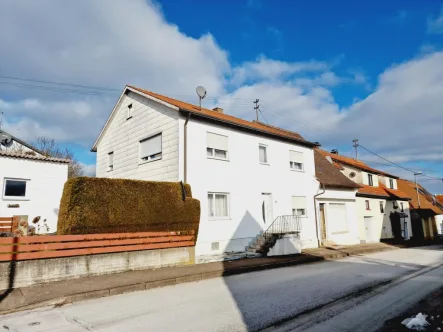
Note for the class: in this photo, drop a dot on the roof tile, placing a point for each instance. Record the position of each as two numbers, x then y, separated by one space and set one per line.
329 175
425 200
32 157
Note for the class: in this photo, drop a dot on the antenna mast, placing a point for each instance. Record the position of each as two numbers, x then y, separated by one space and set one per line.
256 107
355 145
1 119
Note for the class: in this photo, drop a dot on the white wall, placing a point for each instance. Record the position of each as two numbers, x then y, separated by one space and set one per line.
348 198
123 136
348 170
385 181
439 222
44 189
245 179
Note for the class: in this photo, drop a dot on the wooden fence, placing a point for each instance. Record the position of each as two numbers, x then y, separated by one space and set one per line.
8 224
37 247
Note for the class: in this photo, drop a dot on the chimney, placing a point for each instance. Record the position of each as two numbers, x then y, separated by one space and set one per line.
218 109
334 151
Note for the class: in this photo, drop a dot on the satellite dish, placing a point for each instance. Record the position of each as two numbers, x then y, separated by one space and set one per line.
6 140
328 158
201 91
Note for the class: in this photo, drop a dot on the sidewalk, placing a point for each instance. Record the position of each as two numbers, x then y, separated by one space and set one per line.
68 291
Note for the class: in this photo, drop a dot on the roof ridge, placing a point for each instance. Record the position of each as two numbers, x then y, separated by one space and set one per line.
279 128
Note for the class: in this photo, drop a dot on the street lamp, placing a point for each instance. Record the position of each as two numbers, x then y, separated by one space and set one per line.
416 186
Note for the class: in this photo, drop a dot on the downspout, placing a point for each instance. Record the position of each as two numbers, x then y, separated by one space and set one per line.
185 149
315 210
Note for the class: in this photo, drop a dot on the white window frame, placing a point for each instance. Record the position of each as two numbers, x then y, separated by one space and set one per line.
212 151
110 166
228 200
266 162
370 180
291 163
154 157
297 208
16 198
129 112
391 183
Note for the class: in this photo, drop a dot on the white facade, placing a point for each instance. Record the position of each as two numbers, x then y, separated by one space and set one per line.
339 208
243 181
44 187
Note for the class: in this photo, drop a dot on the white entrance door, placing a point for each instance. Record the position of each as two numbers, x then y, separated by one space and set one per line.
368 229
267 208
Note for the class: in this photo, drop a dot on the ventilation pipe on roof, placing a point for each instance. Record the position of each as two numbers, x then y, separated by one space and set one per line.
334 151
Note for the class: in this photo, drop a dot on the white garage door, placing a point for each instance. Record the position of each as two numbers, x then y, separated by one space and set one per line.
337 218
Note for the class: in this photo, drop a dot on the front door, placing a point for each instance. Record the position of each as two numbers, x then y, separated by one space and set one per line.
368 229
267 208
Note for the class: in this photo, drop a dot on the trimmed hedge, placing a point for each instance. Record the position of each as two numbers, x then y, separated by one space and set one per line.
99 205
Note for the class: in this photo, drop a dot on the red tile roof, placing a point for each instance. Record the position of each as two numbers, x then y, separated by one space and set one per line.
254 125
425 200
395 193
439 198
329 175
32 157
372 191
354 163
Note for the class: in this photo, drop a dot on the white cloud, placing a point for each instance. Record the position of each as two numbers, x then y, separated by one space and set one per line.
88 169
435 24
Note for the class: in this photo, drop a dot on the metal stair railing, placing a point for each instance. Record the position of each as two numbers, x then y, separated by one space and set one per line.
288 224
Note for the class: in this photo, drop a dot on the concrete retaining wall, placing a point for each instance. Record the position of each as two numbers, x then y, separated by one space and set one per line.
287 245
32 272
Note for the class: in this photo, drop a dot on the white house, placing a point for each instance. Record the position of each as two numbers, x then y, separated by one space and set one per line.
383 209
337 208
245 174
32 184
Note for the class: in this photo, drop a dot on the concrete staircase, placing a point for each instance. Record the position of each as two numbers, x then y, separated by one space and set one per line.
261 244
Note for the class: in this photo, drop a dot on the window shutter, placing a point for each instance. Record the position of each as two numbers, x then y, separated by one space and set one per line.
298 202
151 146
215 141
296 157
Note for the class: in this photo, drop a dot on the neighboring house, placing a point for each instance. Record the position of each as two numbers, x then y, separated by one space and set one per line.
426 210
245 174
439 218
32 184
383 209
336 205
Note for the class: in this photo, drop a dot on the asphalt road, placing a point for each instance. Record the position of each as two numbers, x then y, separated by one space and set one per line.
354 294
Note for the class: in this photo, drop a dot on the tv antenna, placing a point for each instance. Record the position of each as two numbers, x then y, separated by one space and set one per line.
201 92
355 145
256 107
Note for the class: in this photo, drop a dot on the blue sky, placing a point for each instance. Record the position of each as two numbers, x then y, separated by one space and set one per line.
331 70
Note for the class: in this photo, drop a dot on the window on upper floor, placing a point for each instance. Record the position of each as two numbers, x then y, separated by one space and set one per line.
402 209
218 205
15 189
263 153
111 161
368 206
150 149
299 206
296 161
382 207
217 146
391 183
129 112
370 180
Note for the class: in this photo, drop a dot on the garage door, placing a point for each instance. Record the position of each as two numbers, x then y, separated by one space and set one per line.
337 218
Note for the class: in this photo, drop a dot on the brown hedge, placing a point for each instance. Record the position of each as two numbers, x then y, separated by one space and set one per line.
98 205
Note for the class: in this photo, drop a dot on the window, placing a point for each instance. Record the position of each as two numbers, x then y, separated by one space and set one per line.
15 189
263 154
296 160
401 207
370 180
218 205
368 207
129 112
150 149
216 146
391 183
338 216
395 205
110 161
299 206
382 207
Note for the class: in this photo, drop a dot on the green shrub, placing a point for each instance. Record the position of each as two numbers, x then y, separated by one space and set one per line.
99 205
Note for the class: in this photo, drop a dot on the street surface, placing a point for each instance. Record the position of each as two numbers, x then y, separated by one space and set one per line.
353 294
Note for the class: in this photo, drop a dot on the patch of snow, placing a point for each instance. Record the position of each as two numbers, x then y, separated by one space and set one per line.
417 323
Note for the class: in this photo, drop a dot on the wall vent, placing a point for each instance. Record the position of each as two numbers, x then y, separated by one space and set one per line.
215 245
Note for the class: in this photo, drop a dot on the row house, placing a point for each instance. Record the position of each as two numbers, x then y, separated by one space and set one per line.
382 208
247 175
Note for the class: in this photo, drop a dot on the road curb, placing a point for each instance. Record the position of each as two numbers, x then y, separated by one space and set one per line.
68 299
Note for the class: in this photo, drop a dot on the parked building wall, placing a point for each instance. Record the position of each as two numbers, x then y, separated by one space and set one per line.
123 136
245 179
387 225
44 187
